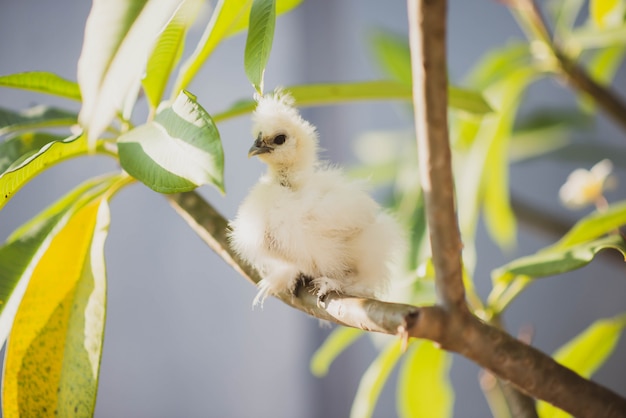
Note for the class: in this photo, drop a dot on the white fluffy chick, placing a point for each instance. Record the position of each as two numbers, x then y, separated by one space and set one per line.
304 221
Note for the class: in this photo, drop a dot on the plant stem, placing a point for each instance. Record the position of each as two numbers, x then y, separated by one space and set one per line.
427 40
532 21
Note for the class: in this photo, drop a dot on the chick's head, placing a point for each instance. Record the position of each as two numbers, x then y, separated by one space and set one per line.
283 138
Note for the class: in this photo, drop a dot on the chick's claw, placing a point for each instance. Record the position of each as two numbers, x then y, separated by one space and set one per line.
301 282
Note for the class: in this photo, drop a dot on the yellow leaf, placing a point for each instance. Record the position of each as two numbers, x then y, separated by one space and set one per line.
606 13
53 352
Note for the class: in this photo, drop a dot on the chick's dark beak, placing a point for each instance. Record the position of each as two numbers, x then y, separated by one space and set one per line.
259 147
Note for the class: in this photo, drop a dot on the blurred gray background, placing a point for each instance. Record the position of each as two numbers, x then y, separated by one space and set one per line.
181 337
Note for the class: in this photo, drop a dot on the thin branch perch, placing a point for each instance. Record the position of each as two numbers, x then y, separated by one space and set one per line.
508 358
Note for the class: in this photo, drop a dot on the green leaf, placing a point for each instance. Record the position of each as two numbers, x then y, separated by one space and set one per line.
259 41
589 37
498 64
15 150
282 6
593 226
551 261
545 131
564 14
52 153
42 82
119 37
168 51
392 53
35 118
53 355
484 183
468 101
334 345
178 151
229 18
373 380
586 353
25 247
333 93
424 388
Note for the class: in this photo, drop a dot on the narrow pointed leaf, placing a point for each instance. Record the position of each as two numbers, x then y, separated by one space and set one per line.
168 51
334 345
327 94
585 354
424 388
512 278
42 82
606 12
15 150
35 118
24 248
593 226
392 53
373 380
229 18
178 151
53 354
52 153
259 41
119 37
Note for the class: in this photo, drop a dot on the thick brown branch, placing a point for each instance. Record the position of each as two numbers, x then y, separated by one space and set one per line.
534 372
508 358
427 37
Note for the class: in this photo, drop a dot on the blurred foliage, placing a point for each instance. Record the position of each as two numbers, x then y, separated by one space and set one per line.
137 45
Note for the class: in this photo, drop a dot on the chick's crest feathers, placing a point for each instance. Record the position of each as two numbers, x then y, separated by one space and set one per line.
275 113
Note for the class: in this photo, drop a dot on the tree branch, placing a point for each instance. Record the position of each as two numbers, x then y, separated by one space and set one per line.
532 20
427 39
508 358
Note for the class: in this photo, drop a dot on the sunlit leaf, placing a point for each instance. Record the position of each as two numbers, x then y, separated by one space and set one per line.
594 225
119 37
282 6
168 51
548 262
229 18
335 344
259 41
498 64
602 67
177 151
35 118
545 131
588 37
327 94
424 388
23 249
15 150
53 354
484 182
585 354
52 153
606 12
392 53
373 380
42 82
565 13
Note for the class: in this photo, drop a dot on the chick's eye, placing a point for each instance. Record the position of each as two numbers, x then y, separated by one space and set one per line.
280 139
